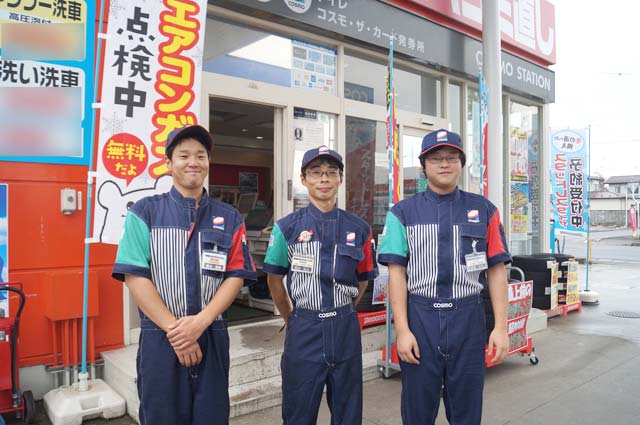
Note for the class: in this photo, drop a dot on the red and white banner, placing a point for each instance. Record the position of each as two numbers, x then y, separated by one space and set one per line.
151 85
526 24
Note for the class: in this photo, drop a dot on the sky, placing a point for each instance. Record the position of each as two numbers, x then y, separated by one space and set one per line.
598 80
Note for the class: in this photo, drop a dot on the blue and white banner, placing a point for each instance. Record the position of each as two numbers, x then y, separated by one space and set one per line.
569 181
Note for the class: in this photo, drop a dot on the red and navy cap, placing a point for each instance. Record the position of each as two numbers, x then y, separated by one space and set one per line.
197 132
439 138
319 152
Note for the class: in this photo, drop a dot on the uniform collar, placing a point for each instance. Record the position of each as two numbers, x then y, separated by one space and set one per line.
449 197
188 202
319 215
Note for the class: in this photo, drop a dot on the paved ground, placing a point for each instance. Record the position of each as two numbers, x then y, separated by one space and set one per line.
588 373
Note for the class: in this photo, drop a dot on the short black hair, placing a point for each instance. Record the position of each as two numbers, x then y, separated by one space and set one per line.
324 160
422 158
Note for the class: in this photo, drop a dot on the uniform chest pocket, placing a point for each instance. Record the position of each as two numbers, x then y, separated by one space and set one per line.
346 264
471 235
215 247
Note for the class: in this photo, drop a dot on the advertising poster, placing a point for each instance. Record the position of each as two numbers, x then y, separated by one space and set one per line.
573 294
151 86
380 286
519 210
44 73
4 245
520 299
569 182
361 166
313 67
519 154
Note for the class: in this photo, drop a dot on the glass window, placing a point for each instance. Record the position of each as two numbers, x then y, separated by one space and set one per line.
472 148
414 179
524 172
367 171
365 81
310 130
454 92
243 52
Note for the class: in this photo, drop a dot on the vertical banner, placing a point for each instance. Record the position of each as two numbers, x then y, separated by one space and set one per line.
393 145
4 246
151 85
483 97
569 182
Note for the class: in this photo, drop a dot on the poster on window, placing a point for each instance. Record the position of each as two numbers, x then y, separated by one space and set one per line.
151 86
313 67
519 154
311 129
4 245
380 286
519 211
569 181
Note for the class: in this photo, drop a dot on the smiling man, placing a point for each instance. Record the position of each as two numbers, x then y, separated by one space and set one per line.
443 247
184 258
327 255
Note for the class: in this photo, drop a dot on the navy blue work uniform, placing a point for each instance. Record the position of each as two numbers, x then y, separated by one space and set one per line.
324 255
168 240
432 235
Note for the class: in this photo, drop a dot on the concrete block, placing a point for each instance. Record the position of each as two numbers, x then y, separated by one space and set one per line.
537 321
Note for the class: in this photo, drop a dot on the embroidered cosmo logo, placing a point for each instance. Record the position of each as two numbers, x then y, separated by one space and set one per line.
218 223
298 6
329 314
473 216
442 305
351 238
305 236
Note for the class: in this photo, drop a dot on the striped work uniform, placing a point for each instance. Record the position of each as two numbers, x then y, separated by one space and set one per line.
165 239
323 256
430 235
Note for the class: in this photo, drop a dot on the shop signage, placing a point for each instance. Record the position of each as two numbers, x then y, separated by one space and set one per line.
573 294
569 183
151 85
375 22
520 298
526 24
46 104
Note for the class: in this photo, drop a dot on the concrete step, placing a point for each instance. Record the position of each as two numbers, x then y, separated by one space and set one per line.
254 373
256 396
120 373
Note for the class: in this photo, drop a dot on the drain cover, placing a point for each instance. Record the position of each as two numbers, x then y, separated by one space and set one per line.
624 314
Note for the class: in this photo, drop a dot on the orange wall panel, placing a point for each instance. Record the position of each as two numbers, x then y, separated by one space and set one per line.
45 246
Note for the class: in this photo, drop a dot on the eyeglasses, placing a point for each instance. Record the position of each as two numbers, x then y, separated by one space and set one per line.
435 160
317 174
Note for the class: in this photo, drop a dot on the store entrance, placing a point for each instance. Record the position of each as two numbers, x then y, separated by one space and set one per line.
242 175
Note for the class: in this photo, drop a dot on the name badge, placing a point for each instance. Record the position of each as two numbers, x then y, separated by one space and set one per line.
214 260
302 264
476 261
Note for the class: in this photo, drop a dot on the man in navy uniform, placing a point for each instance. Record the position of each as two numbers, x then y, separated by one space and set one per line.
327 255
184 258
443 247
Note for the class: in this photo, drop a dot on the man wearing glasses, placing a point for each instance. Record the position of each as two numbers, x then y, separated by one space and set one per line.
443 247
328 256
